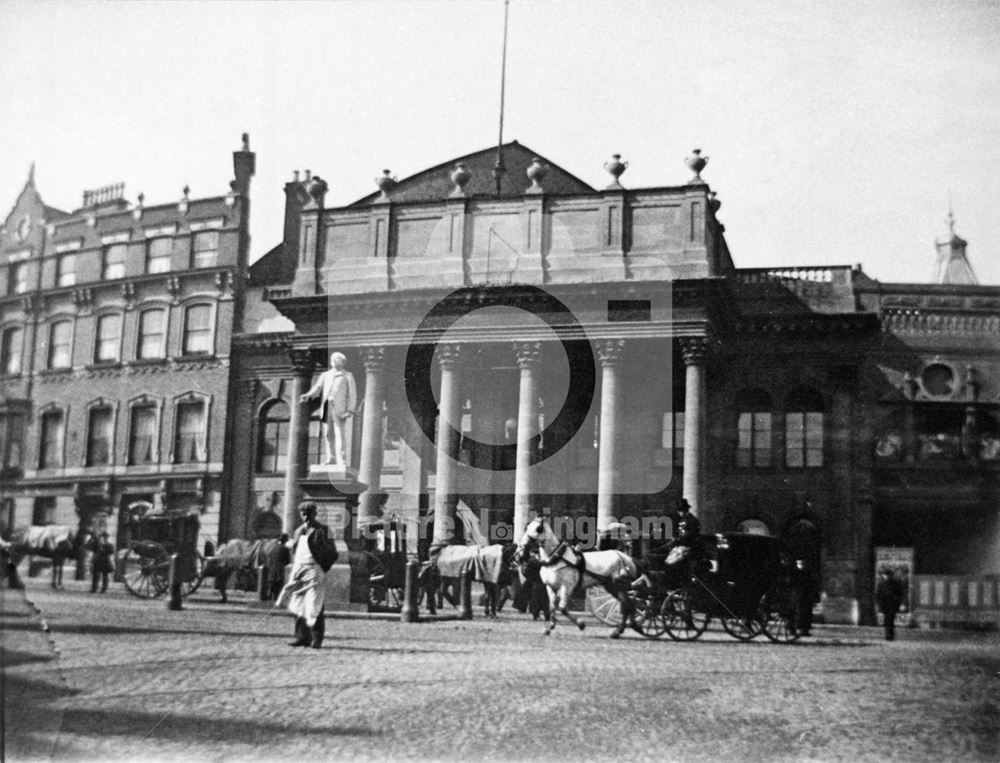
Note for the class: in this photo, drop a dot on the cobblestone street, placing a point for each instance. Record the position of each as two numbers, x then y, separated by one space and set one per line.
120 678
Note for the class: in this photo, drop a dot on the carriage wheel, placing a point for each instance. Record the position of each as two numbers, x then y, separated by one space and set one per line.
381 593
648 618
778 628
744 628
146 570
197 571
683 622
603 606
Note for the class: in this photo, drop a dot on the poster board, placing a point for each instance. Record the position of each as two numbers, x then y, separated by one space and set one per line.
900 560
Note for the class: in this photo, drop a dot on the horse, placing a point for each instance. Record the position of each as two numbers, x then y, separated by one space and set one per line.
241 557
490 565
563 569
55 542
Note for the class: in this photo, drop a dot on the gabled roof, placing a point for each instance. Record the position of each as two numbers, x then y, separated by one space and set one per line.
434 184
272 269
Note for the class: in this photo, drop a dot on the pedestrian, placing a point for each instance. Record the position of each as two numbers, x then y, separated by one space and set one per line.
313 553
804 595
103 562
888 597
276 558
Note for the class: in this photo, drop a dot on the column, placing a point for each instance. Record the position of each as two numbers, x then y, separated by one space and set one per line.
695 351
609 352
449 411
298 436
528 355
370 469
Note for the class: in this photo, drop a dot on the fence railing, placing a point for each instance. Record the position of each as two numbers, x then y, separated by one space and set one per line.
956 600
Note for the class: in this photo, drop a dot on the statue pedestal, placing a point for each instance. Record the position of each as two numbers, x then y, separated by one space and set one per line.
335 490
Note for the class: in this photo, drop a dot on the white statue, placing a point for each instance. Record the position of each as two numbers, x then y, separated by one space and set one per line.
339 396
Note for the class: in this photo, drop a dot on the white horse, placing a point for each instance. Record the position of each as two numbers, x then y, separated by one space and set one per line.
563 569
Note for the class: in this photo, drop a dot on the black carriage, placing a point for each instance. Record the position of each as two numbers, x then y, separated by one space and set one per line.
381 565
739 579
150 542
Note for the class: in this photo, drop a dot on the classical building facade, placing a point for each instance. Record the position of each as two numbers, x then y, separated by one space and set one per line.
115 328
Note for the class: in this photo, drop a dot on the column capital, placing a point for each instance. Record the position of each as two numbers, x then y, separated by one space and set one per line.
302 360
695 350
373 357
609 351
449 355
528 354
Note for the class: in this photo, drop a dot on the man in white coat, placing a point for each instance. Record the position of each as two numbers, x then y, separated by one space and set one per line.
339 396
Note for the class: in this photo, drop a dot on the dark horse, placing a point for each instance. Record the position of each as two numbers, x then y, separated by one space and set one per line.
491 565
55 542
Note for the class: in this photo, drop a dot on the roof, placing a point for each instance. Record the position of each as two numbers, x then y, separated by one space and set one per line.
434 184
271 268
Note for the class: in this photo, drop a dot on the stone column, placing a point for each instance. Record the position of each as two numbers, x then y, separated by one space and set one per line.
528 355
370 469
609 352
695 351
298 436
449 411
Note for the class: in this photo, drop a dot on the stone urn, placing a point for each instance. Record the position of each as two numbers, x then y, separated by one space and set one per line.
696 163
385 184
615 168
536 173
460 177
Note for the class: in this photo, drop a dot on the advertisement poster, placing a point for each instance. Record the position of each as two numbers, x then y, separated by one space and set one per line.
900 561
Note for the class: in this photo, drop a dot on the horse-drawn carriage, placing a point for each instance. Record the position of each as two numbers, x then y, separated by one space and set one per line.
738 579
150 542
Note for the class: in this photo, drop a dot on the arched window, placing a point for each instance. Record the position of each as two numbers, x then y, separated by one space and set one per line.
100 435
804 429
272 449
753 448
152 334
11 346
60 344
191 429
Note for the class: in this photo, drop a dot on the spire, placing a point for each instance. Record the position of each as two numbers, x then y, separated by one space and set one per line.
31 174
952 266
499 170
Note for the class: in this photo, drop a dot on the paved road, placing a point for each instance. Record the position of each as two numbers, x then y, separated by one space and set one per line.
120 678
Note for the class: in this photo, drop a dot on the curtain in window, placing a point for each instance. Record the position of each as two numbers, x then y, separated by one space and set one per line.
190 443
198 330
59 345
53 433
142 438
10 352
99 437
108 338
152 331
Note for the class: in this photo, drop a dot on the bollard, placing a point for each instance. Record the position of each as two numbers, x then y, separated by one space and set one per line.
174 584
409 613
263 580
465 595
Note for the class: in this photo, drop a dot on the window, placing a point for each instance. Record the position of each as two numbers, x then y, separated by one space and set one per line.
99 436
53 433
18 273
672 435
189 442
142 435
198 330
44 511
11 440
754 430
10 351
152 334
60 343
273 450
205 249
315 449
114 262
66 269
158 255
804 429
109 330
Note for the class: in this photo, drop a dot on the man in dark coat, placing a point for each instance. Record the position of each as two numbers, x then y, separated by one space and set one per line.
103 563
305 592
888 597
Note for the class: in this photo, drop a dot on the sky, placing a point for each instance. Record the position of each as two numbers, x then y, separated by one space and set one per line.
837 132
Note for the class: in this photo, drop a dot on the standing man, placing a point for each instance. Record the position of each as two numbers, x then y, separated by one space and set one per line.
103 562
305 592
889 597
338 395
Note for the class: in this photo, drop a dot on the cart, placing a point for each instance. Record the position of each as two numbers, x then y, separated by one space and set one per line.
384 556
150 542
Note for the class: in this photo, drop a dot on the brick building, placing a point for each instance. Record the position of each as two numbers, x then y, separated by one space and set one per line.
116 321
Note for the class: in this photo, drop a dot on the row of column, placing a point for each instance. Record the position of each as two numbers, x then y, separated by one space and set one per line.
609 353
